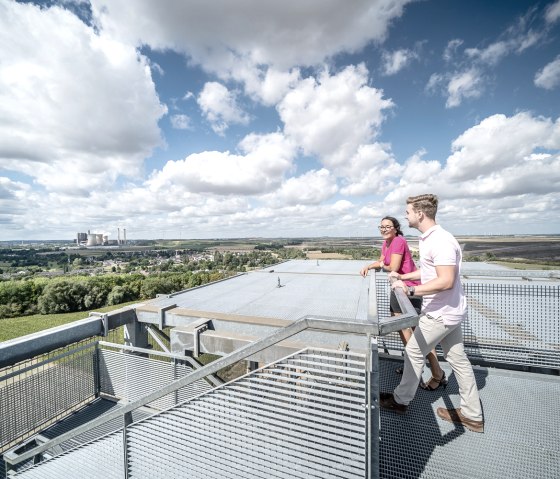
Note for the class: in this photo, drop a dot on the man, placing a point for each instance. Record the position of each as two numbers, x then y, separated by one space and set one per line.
444 308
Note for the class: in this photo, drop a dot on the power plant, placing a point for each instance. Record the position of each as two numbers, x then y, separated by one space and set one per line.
90 239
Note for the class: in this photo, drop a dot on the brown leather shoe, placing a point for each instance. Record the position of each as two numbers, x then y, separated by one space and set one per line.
387 401
456 416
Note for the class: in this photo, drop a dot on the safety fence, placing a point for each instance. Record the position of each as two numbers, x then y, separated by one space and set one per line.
40 391
515 324
303 416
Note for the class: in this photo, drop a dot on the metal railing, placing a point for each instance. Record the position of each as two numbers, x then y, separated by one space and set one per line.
509 324
336 382
36 392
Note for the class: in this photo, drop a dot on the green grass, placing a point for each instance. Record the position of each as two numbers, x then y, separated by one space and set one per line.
11 328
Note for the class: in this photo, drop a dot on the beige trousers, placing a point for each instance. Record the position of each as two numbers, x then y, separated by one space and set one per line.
430 332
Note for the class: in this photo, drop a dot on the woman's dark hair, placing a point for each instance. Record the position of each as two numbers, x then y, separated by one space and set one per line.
396 224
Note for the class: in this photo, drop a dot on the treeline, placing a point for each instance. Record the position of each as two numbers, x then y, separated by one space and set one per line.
81 293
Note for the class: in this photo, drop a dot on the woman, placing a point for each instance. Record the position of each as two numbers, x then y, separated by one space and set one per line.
396 256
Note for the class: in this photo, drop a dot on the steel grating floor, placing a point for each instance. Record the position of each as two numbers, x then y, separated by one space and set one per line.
91 411
521 438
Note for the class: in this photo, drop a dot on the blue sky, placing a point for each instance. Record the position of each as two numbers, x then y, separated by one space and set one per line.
188 119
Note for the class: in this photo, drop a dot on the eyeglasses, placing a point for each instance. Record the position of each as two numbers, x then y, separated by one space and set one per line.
385 228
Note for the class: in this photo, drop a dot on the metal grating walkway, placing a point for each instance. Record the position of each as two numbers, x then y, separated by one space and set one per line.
521 438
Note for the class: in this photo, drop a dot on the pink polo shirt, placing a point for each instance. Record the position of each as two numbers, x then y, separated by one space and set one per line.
400 246
440 248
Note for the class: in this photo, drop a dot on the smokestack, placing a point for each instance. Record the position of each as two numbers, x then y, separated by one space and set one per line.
118 236
124 233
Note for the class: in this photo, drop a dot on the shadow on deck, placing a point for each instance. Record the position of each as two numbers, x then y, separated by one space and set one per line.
521 438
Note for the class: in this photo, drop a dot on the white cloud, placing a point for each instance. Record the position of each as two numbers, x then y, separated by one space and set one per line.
491 55
181 122
372 170
466 84
220 107
259 169
553 12
457 86
451 49
549 76
394 62
266 85
61 122
332 116
417 170
501 157
221 35
311 188
500 142
471 75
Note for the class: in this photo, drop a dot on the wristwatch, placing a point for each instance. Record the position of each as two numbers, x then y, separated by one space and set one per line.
411 290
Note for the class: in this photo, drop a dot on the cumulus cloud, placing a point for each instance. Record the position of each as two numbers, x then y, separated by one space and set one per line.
311 188
61 121
501 157
265 84
260 167
271 35
466 84
220 107
549 77
372 170
457 86
394 62
333 115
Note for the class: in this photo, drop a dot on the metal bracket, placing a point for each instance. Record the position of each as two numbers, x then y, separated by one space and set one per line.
197 331
105 320
161 313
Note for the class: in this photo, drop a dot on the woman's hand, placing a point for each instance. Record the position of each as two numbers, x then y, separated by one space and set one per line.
364 271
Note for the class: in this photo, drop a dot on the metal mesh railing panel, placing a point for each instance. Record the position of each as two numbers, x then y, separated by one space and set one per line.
507 323
101 459
36 392
513 323
129 376
301 417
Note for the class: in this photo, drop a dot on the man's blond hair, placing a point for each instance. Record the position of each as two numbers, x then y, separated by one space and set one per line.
427 204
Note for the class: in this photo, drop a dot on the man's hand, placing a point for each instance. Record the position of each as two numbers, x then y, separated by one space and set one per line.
364 271
400 284
394 274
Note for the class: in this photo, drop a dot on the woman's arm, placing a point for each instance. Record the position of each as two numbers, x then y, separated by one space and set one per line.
395 264
374 265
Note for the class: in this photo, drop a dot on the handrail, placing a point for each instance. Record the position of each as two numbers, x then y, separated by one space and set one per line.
307 322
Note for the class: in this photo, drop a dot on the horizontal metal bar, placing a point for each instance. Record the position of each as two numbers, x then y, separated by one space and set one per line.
26 347
47 361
